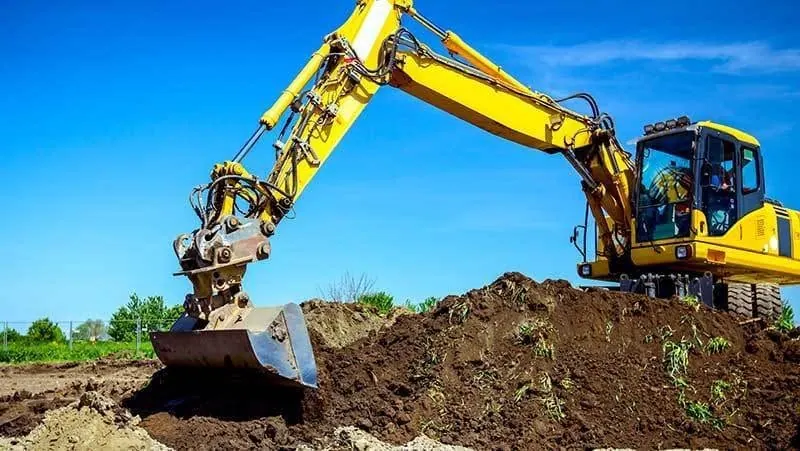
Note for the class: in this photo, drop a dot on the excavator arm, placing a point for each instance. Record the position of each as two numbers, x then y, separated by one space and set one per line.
370 50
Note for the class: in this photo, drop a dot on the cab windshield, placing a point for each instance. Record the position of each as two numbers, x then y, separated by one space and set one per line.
665 187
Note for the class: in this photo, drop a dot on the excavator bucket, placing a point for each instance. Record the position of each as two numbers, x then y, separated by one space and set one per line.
273 341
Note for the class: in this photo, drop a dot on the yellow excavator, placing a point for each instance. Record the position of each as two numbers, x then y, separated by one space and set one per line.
685 215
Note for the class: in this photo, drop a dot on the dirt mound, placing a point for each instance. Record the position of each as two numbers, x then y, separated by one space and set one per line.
513 365
340 324
27 392
92 422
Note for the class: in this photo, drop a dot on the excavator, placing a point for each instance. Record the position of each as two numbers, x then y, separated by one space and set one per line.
685 215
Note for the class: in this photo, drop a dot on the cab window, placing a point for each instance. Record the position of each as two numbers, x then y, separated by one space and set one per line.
719 189
666 186
750 181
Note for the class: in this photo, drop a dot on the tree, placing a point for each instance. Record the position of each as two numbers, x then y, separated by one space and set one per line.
151 311
90 330
45 331
13 335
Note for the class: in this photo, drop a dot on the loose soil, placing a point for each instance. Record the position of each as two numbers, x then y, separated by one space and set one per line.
340 324
93 422
27 392
513 365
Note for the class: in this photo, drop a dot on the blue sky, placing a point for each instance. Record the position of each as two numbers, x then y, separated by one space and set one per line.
110 112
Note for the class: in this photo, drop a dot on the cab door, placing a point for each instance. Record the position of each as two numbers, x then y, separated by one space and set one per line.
719 187
751 186
751 180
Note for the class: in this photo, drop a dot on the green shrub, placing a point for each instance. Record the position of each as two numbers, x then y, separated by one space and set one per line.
425 306
381 301
526 333
12 335
692 301
676 358
718 390
717 345
45 331
785 321
699 411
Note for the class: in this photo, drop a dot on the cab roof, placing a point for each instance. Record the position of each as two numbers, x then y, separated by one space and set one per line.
738 134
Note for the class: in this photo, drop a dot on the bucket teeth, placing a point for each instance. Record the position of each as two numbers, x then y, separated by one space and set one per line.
274 341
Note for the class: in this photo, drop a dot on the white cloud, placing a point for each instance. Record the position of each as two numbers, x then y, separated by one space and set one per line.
734 58
759 91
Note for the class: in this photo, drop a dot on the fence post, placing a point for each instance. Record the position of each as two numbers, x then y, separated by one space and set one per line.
70 335
138 334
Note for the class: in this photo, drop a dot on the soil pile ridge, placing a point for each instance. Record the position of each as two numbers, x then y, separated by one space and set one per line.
513 365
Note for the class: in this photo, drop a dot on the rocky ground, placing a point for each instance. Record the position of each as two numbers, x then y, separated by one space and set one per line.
513 365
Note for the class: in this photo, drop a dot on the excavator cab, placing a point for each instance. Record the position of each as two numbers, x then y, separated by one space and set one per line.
702 167
702 223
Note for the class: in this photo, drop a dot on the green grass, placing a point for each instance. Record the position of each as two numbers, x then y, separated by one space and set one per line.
532 333
553 405
699 411
521 392
381 301
716 345
425 306
526 333
718 390
676 358
544 349
692 301
60 352
785 321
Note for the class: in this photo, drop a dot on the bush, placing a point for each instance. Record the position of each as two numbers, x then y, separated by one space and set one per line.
151 311
45 331
381 300
785 321
349 288
692 301
12 335
425 306
717 344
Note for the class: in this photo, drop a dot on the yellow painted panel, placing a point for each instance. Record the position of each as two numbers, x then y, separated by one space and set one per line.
738 134
795 233
489 106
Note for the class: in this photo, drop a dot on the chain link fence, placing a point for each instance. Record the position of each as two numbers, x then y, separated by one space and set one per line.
70 333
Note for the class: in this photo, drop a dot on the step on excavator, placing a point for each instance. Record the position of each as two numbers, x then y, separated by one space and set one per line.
686 215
